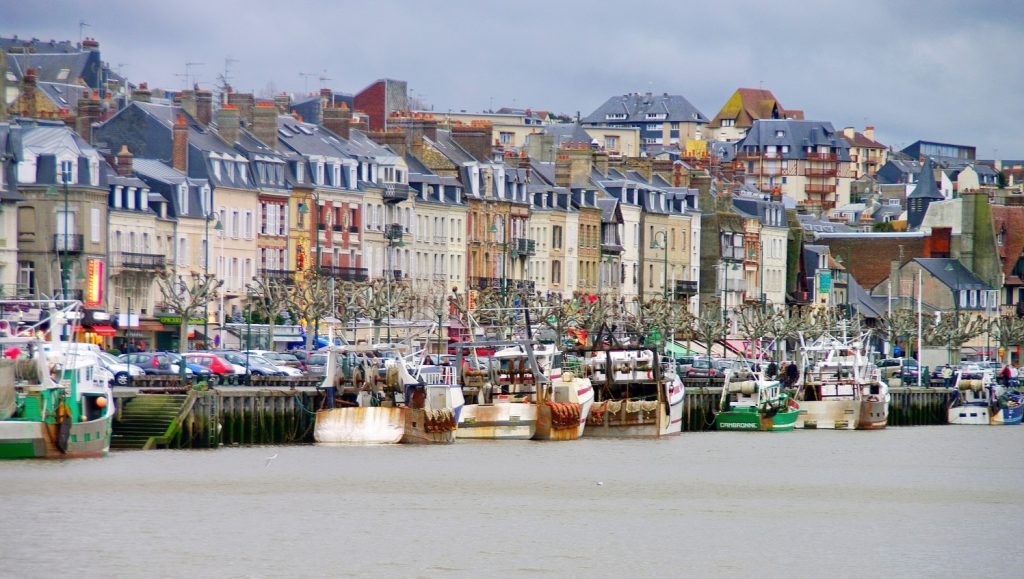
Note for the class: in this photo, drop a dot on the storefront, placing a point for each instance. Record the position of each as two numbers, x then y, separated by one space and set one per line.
97 328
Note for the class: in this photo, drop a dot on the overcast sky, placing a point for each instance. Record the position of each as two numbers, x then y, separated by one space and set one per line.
938 70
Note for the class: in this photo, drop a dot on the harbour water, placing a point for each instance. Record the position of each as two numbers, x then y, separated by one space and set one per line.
926 501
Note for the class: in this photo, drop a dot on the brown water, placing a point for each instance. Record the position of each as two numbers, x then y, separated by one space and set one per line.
929 501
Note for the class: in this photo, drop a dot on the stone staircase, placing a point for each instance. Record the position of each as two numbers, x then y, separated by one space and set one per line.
149 420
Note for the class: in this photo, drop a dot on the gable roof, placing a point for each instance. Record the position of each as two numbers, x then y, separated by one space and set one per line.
956 277
747 105
636 106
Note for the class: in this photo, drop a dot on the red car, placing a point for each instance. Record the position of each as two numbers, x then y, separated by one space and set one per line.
222 370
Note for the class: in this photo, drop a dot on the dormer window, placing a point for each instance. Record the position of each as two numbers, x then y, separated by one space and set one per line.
779 133
300 172
231 170
216 168
615 116
656 116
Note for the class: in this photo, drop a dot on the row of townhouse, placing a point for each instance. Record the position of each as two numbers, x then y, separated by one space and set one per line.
438 206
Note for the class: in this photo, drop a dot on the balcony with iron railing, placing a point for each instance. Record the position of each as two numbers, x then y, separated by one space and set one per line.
393 231
68 242
685 287
344 273
276 274
142 261
395 192
816 156
523 247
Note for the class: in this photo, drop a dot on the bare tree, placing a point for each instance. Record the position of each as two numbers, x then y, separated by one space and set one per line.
433 304
664 317
1007 330
898 324
380 300
756 322
346 306
709 328
953 331
268 297
185 297
501 308
309 298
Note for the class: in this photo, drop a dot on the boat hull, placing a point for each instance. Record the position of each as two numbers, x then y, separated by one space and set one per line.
967 414
874 415
616 419
360 425
498 421
1009 415
748 420
837 414
23 439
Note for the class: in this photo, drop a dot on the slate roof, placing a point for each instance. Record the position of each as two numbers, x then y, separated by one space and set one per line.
796 134
59 67
447 146
609 207
165 180
307 138
636 106
959 278
926 187
568 133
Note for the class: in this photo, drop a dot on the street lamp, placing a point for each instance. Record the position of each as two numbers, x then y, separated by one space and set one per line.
394 239
956 307
65 261
663 245
303 209
210 216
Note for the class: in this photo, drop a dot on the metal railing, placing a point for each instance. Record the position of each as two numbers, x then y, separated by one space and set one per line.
131 260
71 242
344 273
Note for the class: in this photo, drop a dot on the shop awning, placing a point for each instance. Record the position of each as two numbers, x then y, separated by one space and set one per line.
102 330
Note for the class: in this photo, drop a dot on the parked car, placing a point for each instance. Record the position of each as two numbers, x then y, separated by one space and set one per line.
200 372
905 368
274 359
222 371
120 370
252 364
705 368
154 363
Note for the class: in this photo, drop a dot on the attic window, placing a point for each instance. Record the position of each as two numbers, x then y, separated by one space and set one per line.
656 116
615 116
63 74
780 134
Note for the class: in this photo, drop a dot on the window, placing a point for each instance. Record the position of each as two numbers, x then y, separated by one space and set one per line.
95 226
728 122
779 133
615 116
27 276
556 271
556 237
506 138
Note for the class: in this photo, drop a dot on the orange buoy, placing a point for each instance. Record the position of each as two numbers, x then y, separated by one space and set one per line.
101 402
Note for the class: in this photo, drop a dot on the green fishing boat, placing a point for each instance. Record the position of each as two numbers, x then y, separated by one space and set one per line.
750 402
54 403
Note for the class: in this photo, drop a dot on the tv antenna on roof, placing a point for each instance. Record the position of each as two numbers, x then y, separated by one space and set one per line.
188 72
305 81
82 25
323 79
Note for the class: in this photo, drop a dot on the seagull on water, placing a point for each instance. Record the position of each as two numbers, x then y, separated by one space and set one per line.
599 483
269 460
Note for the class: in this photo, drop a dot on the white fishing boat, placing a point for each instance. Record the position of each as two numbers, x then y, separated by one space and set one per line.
391 405
565 398
513 396
635 395
830 388
54 403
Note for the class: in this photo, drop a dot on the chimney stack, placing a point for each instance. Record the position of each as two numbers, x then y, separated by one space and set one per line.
563 170
88 113
600 160
396 139
142 94
869 132
179 144
283 102
264 126
29 90
474 138
90 44
245 103
204 106
228 123
337 120
124 162
188 102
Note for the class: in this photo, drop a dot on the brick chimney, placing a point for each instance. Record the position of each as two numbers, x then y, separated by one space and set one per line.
179 144
187 99
28 89
142 93
283 102
475 138
337 120
563 170
395 138
227 123
641 165
245 103
124 162
90 44
264 125
204 106
88 113
938 243
600 160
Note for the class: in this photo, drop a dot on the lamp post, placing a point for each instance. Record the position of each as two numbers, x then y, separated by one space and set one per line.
663 245
956 308
394 239
303 209
248 340
65 261
210 216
